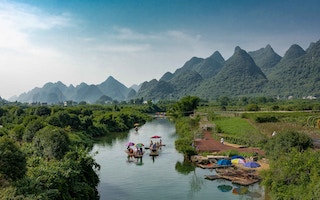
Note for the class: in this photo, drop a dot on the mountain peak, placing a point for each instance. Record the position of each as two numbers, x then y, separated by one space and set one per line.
237 49
217 56
265 58
268 47
242 63
314 49
193 61
295 51
110 78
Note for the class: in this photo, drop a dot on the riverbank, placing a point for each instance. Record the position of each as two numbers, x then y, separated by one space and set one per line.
236 173
208 144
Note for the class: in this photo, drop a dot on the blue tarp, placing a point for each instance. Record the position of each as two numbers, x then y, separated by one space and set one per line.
251 164
224 162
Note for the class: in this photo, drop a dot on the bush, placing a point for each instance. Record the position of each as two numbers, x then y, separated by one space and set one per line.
51 142
264 119
285 142
12 160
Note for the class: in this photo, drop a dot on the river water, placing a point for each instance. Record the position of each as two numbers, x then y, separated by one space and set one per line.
166 176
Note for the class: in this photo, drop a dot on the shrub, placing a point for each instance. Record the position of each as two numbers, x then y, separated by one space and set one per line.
264 119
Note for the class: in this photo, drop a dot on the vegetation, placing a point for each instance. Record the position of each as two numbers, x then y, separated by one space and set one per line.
238 130
186 127
51 144
45 151
293 156
294 166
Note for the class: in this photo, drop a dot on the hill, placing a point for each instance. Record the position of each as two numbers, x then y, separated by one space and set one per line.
239 76
255 73
54 93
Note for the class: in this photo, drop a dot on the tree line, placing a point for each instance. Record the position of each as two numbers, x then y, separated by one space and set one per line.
45 151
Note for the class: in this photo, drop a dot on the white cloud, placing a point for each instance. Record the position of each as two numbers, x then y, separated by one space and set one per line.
22 60
130 56
17 21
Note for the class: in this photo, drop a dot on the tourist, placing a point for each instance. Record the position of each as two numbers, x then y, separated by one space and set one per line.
222 141
154 147
130 152
151 143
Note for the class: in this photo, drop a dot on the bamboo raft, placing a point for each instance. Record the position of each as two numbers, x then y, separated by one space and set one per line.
237 176
135 154
154 152
212 166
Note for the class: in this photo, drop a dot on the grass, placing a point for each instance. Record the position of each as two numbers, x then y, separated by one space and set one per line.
238 130
242 128
304 122
235 126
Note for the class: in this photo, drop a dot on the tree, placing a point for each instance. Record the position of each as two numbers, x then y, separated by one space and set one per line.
286 142
224 101
63 119
12 160
31 129
42 111
17 132
51 142
187 105
294 174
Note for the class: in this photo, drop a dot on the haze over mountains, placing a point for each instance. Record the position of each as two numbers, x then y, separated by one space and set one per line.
255 73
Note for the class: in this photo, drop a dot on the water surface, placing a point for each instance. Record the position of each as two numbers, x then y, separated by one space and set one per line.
166 176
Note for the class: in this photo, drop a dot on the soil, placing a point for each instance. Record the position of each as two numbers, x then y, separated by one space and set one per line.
209 144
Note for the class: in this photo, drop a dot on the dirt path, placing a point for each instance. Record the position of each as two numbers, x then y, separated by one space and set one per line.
208 144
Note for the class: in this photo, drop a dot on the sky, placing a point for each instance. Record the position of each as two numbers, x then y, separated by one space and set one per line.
134 41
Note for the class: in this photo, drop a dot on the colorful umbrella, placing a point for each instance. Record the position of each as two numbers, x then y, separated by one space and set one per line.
224 162
155 137
238 161
234 157
139 145
129 144
251 164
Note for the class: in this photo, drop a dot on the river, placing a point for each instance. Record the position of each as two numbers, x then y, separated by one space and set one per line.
166 176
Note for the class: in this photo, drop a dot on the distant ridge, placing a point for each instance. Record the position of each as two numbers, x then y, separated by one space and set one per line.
54 93
255 73
239 76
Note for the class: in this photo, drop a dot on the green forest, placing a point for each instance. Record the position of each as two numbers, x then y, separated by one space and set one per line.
45 151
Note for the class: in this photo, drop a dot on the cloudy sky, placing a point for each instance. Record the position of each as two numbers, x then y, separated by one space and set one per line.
134 41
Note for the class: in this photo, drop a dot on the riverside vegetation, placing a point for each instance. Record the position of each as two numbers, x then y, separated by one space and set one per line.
45 150
293 153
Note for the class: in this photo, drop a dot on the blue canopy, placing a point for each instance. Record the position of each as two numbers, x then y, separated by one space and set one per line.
224 162
234 157
251 164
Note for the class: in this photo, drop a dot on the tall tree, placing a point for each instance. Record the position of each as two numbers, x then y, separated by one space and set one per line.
12 160
51 142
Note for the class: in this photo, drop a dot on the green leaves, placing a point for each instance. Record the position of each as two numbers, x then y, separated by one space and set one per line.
51 142
294 174
12 160
287 142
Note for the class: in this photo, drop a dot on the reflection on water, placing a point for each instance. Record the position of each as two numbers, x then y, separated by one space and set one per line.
167 176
